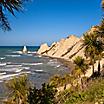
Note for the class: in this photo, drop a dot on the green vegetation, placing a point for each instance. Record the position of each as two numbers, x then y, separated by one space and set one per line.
18 90
80 66
9 6
73 88
45 95
81 90
89 43
93 93
94 46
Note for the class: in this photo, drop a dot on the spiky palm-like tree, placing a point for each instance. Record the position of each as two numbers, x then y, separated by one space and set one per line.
80 68
99 52
80 65
9 6
18 88
89 43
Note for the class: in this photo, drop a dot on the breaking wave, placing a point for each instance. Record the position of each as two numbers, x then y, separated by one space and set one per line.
13 55
31 64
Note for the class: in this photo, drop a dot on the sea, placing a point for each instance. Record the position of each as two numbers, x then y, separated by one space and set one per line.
38 68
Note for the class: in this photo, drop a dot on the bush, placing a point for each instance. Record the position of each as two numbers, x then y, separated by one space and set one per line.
93 93
45 95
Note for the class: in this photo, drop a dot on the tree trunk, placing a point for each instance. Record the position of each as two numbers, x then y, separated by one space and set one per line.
99 67
92 61
82 84
93 69
65 86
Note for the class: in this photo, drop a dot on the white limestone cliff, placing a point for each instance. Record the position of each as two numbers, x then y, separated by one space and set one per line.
43 48
68 48
58 49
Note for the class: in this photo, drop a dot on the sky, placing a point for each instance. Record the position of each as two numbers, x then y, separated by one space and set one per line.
46 21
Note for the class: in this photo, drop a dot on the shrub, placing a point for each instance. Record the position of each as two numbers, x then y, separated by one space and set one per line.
45 95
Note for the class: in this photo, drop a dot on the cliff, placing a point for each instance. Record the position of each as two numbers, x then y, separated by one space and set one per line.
68 49
43 48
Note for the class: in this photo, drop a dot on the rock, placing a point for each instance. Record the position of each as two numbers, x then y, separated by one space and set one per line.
61 47
24 51
64 45
102 3
68 49
44 47
53 49
75 51
93 29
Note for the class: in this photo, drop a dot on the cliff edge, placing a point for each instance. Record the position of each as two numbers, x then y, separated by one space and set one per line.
68 49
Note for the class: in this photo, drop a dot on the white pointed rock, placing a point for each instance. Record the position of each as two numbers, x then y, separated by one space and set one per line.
44 47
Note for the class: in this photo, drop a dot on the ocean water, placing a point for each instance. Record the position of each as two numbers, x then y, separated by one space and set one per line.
38 68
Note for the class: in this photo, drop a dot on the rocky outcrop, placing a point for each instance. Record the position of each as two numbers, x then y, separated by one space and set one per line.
65 45
77 50
44 47
61 48
68 49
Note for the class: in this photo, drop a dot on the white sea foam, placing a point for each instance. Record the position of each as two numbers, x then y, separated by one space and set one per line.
26 72
19 70
9 62
19 52
2 73
50 60
57 66
31 64
10 76
38 63
15 52
1 81
38 70
52 63
11 69
13 66
27 68
39 56
2 64
2 58
32 52
13 55
29 54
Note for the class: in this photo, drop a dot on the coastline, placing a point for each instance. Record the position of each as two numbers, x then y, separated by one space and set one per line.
66 63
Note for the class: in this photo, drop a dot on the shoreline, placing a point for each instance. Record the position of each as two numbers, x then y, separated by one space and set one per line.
66 63
58 60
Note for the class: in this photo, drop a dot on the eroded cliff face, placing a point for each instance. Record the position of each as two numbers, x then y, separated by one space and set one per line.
69 48
43 48
66 48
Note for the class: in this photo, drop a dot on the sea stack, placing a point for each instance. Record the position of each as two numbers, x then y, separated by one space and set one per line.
24 51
